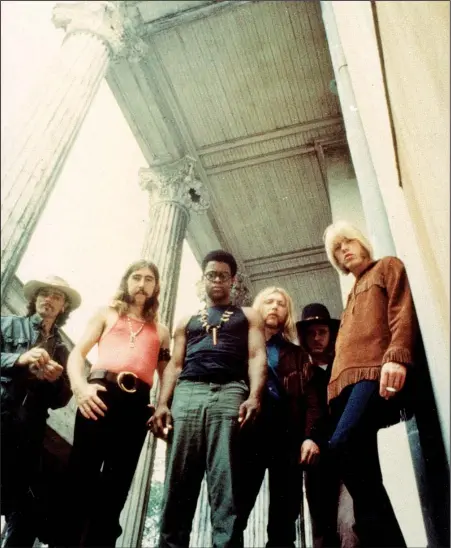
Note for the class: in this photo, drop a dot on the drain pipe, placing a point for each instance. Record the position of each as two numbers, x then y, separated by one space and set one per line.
373 206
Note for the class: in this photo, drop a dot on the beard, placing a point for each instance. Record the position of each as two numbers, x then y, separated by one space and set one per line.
274 322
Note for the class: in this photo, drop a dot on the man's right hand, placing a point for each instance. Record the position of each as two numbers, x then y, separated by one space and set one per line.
89 403
35 356
161 422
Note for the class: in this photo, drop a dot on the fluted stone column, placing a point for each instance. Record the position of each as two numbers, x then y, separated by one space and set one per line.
174 193
35 149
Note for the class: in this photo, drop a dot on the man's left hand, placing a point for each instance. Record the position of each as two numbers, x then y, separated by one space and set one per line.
393 377
249 409
309 452
50 372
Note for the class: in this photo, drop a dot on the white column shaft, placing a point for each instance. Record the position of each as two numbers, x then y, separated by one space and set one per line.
163 246
39 144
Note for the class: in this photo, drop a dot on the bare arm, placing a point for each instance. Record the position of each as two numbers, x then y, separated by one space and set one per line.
257 365
161 422
85 394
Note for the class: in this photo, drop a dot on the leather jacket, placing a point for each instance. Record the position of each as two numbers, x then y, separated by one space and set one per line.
295 376
25 398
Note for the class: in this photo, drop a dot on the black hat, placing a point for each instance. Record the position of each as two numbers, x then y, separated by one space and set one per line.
316 313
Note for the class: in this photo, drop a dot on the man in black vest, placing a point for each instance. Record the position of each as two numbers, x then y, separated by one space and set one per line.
216 376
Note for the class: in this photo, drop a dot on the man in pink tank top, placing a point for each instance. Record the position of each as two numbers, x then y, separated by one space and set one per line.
113 406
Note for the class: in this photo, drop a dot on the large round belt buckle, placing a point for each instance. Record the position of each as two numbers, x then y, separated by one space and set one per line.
124 377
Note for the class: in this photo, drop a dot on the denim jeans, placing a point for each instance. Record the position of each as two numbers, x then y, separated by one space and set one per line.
205 439
353 450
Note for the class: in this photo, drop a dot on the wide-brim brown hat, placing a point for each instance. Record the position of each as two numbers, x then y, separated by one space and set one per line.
53 282
316 313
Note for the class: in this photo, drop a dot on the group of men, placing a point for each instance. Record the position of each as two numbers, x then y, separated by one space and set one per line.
247 390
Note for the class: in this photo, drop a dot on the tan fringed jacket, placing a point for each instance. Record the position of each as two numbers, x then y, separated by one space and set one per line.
378 325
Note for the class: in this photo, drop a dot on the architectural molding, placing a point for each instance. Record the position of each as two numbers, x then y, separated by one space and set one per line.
282 264
269 135
176 183
333 140
183 16
100 18
260 159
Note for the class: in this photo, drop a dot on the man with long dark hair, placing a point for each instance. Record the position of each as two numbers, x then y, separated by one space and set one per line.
113 405
33 380
330 504
216 377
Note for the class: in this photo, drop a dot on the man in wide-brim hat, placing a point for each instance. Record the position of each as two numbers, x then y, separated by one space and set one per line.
33 380
330 503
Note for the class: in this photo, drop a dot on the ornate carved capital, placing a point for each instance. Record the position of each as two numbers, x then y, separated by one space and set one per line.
135 48
240 293
175 183
98 17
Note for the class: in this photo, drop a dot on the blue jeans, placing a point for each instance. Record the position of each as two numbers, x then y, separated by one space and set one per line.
353 449
205 439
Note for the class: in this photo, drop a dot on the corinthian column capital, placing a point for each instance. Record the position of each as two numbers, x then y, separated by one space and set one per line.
98 17
175 183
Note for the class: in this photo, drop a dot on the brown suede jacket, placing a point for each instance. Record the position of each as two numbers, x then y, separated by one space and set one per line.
295 375
378 326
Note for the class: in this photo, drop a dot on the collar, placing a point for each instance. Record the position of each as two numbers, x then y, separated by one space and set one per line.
276 339
369 267
36 320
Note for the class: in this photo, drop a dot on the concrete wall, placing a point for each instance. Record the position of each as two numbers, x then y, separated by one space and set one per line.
418 92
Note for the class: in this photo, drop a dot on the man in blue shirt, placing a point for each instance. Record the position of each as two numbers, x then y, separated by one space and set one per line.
33 379
284 435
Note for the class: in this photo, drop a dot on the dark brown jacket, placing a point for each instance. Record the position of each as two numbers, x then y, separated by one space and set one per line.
295 375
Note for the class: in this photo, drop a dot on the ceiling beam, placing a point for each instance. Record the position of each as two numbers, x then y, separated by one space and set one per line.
183 16
267 136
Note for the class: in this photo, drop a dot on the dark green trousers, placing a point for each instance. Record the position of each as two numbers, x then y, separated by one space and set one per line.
205 440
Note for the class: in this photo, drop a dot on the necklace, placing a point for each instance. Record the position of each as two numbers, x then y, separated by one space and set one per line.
133 334
214 328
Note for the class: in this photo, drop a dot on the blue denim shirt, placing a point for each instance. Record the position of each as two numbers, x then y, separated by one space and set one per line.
19 388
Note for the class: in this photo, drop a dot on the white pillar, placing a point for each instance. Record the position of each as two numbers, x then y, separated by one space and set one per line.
35 149
174 193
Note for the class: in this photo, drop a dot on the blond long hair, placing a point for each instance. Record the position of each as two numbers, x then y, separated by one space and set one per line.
289 329
121 300
336 232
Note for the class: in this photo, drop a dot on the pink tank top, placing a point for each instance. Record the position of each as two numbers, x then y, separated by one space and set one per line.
116 355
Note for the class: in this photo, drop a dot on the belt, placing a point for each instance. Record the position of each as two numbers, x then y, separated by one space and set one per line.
126 380
206 378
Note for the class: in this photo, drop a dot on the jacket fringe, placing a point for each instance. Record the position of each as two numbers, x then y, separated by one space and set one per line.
352 376
398 355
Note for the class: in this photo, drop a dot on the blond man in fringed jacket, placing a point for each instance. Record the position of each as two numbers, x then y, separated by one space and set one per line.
367 388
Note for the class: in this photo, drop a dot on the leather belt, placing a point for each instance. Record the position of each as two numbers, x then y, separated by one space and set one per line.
209 378
126 380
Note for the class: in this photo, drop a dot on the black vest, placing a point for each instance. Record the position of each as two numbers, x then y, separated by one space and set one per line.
223 362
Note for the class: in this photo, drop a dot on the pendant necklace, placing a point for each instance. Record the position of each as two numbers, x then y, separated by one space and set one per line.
133 334
214 328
